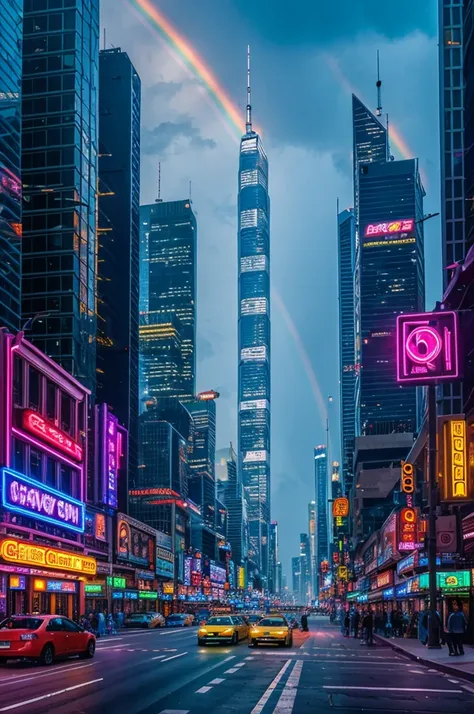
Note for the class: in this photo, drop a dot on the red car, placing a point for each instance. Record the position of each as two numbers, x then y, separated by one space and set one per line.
43 638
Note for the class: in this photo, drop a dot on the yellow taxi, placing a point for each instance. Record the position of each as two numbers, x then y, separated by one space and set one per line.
223 628
271 629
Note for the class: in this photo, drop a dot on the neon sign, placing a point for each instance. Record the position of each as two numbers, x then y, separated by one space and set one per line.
388 228
24 553
457 480
112 458
34 423
32 498
340 507
428 347
408 529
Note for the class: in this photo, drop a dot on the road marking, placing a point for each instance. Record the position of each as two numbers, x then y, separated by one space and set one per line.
56 670
288 695
177 632
249 658
468 689
175 711
48 696
217 680
167 659
232 670
112 647
393 689
453 681
203 690
266 696
240 664
159 657
418 671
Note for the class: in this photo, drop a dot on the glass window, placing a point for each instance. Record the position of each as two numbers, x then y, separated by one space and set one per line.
67 480
50 400
18 454
34 388
50 472
18 381
35 464
67 404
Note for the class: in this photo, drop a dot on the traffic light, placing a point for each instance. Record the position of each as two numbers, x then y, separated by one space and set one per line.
408 478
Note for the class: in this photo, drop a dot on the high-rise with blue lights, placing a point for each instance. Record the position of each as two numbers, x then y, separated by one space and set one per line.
321 478
11 12
254 341
347 366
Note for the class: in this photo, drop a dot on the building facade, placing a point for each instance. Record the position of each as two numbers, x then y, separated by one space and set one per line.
468 34
202 455
347 366
11 12
296 576
272 557
254 339
312 549
170 319
118 241
305 569
59 173
392 281
321 477
230 491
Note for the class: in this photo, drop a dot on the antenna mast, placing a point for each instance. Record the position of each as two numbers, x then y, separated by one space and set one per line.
158 200
378 111
248 122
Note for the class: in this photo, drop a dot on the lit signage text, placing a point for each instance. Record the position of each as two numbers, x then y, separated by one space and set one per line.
32 498
15 551
408 478
388 228
35 424
340 507
457 480
408 529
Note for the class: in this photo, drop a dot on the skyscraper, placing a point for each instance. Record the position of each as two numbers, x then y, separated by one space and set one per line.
59 165
118 237
10 163
321 489
296 576
312 548
392 281
272 557
202 455
231 493
347 366
254 337
305 569
169 325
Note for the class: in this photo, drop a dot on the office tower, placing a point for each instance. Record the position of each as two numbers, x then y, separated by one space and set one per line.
10 163
468 115
305 569
168 326
392 281
312 548
254 337
321 489
296 576
143 303
118 242
347 366
59 167
272 557
279 579
231 493
202 455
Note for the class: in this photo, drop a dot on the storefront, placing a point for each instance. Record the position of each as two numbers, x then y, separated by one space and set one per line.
40 579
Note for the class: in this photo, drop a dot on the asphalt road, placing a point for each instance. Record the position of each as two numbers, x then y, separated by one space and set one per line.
165 672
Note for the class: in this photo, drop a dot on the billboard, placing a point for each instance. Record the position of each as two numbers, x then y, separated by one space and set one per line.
135 542
456 478
388 228
428 348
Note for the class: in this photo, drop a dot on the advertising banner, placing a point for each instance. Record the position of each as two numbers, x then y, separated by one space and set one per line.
135 542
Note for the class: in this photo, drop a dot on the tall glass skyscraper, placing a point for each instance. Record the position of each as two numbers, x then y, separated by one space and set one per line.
118 248
168 326
392 281
312 548
321 478
347 366
11 12
202 455
254 339
59 164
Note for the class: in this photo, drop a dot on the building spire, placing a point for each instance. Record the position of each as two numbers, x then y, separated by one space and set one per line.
248 123
159 199
378 84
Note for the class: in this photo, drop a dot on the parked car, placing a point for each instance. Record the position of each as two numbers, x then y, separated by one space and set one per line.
179 620
145 620
43 638
227 628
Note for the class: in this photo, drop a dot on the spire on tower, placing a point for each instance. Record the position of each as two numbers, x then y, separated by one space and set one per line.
378 111
248 122
158 199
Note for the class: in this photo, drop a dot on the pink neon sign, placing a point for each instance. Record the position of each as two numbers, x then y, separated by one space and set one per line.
34 423
428 347
381 229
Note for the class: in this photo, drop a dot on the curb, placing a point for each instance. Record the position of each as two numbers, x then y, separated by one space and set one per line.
445 668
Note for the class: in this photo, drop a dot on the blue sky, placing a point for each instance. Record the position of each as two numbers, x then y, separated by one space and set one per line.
304 109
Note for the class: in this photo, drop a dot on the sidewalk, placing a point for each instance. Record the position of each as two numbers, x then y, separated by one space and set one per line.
438 659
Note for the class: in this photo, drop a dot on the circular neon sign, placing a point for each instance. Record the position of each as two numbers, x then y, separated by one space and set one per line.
423 344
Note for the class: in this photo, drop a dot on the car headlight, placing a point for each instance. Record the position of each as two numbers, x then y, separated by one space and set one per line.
282 632
228 631
202 631
254 631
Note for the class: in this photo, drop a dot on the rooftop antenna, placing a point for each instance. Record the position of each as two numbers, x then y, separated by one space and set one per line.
248 123
390 157
190 194
159 199
378 111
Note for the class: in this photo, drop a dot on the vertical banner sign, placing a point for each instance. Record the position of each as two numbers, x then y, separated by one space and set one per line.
408 478
456 480
428 348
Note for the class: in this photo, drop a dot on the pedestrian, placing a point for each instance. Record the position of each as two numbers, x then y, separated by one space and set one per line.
457 625
368 625
423 627
347 624
101 624
304 622
385 623
356 623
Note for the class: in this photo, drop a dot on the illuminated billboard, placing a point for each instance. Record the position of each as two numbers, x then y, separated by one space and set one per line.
455 475
388 228
428 348
37 425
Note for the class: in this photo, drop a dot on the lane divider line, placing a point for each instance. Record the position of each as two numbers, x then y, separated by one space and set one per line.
167 659
287 697
203 690
159 657
217 680
232 670
57 670
51 694
266 696
393 689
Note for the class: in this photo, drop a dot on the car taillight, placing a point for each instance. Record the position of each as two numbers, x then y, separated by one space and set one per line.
28 636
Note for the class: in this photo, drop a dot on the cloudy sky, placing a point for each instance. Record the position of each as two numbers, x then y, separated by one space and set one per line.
307 57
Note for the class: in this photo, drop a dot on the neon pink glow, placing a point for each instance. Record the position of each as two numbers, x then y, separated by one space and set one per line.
381 229
34 422
42 446
428 347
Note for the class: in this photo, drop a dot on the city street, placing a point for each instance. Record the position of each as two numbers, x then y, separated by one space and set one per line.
160 671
